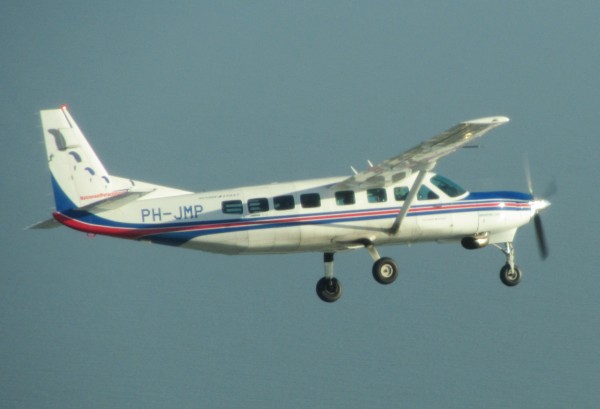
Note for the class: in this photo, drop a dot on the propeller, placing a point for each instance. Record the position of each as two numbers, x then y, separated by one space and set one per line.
541 237
539 205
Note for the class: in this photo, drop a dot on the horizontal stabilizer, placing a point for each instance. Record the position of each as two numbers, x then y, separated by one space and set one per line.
46 224
114 202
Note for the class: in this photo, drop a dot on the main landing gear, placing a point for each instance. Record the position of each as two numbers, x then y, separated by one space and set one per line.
510 273
385 271
328 288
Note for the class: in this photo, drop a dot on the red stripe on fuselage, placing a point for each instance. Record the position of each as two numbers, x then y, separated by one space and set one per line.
137 233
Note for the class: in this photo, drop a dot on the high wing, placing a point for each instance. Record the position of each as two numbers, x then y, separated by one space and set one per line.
422 157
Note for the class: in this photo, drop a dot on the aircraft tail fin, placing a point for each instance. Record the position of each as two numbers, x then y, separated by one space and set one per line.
79 179
78 176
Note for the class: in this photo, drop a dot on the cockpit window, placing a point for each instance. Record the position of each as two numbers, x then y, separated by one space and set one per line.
426 194
447 186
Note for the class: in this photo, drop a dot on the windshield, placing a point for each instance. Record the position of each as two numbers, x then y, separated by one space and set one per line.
447 186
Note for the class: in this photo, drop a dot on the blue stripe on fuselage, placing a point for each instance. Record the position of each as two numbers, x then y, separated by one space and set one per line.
202 228
500 195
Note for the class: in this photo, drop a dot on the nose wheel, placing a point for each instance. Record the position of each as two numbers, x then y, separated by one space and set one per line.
510 276
510 273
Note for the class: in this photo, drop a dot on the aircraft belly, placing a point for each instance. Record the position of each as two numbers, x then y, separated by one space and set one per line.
225 243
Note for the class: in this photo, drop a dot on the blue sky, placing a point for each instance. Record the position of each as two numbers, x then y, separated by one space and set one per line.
203 96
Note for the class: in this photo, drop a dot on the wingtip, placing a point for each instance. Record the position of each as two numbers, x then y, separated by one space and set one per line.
489 120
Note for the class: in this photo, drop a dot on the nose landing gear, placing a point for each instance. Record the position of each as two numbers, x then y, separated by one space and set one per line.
510 273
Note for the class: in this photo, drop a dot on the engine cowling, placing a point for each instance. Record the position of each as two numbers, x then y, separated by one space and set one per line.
475 242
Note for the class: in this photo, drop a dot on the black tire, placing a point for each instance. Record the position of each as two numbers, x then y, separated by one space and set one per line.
510 277
385 270
329 289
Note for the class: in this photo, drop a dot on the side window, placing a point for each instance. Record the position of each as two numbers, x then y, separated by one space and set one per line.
426 194
401 193
344 197
258 205
283 202
310 200
377 195
232 207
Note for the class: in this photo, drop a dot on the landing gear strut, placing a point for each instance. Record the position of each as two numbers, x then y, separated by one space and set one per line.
328 287
385 271
510 274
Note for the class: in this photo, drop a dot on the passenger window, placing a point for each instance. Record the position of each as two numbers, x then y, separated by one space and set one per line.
426 194
377 195
310 200
232 207
258 205
401 193
283 202
344 197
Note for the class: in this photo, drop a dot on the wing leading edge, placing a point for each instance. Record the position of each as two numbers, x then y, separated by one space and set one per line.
424 156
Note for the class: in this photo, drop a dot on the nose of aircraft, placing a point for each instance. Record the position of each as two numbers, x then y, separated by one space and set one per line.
540 204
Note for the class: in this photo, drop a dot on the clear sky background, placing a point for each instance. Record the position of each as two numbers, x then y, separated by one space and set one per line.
207 95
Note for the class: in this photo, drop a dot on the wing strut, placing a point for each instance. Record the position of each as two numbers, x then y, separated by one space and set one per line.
409 199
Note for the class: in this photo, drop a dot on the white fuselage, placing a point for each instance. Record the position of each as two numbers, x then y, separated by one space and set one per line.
308 215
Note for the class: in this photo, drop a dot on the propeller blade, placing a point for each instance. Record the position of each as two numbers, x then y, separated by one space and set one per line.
551 189
541 237
528 175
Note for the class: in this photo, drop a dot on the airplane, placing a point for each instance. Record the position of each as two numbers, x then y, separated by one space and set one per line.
398 201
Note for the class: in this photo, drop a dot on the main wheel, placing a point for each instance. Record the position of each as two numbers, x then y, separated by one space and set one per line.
329 289
510 277
385 270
